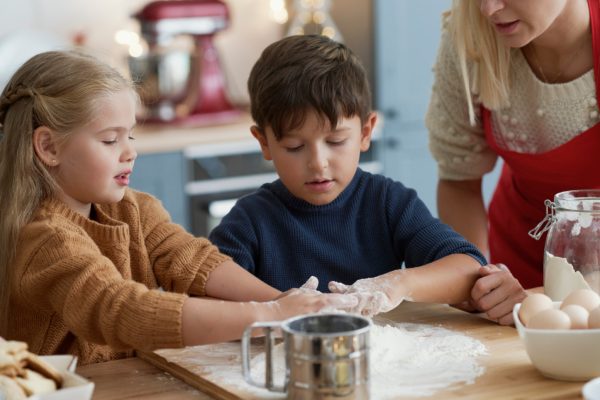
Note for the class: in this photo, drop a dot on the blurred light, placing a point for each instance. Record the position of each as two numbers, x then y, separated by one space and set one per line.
319 17
136 50
328 31
131 40
126 37
278 11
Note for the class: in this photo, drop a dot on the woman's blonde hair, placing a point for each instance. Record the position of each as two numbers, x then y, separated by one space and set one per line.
484 59
59 90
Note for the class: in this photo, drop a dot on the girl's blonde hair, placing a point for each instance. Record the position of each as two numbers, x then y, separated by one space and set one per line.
59 90
484 59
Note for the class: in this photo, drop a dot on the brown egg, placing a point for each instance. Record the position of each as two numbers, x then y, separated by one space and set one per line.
594 319
533 304
578 316
586 298
550 319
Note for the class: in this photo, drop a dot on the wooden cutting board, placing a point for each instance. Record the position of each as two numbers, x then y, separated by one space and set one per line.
509 373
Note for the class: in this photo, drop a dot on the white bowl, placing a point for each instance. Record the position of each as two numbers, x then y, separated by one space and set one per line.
591 390
570 355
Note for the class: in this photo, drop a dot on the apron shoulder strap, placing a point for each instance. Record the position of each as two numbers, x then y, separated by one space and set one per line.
594 6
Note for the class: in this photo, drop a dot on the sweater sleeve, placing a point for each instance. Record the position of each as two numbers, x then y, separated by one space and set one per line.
459 148
236 237
181 262
418 236
68 275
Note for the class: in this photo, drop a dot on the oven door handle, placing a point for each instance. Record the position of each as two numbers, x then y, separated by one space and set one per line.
224 185
213 186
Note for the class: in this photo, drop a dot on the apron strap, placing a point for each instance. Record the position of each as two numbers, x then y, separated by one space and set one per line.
594 6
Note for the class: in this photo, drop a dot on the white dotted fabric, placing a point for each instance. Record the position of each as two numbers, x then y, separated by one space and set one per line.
541 116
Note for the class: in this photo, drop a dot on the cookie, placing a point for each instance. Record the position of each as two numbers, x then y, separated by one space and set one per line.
13 347
35 383
10 389
35 363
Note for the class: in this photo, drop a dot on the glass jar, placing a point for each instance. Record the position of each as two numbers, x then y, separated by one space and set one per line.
572 250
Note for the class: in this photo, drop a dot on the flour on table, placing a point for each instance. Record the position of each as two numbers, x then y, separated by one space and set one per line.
405 360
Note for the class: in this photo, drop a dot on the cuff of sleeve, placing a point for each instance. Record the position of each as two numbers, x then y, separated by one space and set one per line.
198 286
164 328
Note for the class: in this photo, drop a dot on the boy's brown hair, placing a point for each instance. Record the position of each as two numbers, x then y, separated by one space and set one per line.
305 73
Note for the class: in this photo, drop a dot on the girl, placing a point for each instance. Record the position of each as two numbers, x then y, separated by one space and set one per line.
83 257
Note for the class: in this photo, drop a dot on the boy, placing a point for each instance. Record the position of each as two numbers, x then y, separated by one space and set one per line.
324 216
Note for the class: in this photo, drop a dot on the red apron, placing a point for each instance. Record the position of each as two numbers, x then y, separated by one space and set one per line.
528 179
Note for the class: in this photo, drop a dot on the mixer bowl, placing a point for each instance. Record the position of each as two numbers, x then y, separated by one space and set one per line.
163 81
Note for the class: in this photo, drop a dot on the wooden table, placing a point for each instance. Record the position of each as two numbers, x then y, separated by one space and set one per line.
509 372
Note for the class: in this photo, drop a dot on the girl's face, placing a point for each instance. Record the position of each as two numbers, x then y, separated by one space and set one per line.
315 162
518 22
95 162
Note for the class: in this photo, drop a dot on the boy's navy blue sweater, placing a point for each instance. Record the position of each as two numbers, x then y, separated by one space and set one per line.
374 226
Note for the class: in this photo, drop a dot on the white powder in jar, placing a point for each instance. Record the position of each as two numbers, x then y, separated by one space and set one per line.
405 360
560 278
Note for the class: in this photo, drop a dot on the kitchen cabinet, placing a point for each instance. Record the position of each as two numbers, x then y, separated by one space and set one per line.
164 175
163 168
407 36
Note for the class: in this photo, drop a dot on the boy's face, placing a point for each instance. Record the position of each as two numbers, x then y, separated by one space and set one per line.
314 162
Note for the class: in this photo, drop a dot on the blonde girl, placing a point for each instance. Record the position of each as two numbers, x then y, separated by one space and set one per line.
88 266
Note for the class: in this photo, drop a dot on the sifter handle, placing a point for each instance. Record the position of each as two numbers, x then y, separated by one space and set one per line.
267 327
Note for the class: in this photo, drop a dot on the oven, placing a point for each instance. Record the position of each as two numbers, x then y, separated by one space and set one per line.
220 173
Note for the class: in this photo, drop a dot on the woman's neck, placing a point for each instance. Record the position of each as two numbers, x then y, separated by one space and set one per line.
564 51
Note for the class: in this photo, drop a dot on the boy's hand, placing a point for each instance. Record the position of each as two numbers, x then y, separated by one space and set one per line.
370 294
496 292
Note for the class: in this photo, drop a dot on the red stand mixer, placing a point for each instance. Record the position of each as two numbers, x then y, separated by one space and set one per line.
182 86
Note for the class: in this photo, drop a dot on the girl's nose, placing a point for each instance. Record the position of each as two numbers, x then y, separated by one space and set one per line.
129 153
489 7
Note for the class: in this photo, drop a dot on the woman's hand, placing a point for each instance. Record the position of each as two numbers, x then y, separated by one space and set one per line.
372 294
496 292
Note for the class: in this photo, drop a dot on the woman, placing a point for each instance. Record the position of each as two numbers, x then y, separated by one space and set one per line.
528 69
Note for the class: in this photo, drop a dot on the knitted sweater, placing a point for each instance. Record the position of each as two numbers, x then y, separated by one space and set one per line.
91 287
373 226
540 116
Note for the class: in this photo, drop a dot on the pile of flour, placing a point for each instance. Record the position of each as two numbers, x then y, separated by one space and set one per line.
405 360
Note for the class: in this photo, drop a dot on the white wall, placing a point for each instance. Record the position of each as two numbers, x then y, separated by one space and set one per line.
35 25
38 25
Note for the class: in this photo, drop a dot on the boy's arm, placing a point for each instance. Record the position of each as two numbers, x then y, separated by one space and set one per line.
448 280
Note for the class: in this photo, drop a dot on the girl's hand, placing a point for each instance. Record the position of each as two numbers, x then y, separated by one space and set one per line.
308 300
371 294
496 292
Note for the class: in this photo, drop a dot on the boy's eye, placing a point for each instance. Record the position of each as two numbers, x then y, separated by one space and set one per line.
293 148
109 142
337 142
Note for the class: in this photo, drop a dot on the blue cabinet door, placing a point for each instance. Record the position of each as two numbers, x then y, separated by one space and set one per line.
407 34
164 175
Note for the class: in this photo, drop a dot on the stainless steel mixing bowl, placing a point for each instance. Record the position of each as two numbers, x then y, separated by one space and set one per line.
163 81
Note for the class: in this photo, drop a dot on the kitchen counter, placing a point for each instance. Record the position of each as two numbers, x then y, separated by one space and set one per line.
509 373
153 138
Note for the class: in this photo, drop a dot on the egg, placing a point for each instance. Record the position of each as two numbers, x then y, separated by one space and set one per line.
594 319
550 319
586 298
578 316
533 304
